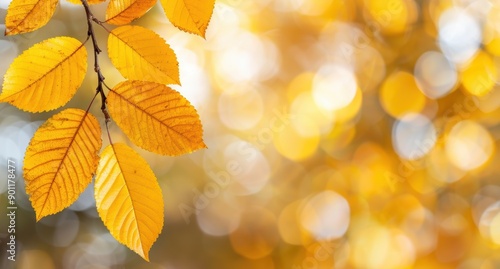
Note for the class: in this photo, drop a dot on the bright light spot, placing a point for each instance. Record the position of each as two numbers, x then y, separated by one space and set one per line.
66 230
419 226
247 166
477 8
459 35
441 168
60 230
483 199
103 250
435 75
289 227
248 58
334 87
14 136
492 30
257 235
292 145
102 244
242 61
326 216
241 109
316 8
310 119
469 145
224 25
391 17
413 136
33 258
349 113
343 44
219 218
224 16
480 75
236 166
489 223
300 84
376 247
195 82
288 5
489 102
400 95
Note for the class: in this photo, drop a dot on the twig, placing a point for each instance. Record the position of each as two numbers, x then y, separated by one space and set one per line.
97 50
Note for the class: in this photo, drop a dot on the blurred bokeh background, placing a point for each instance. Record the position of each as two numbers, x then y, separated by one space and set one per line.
340 133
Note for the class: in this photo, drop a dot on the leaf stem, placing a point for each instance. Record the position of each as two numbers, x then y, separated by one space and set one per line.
100 23
109 136
91 102
97 50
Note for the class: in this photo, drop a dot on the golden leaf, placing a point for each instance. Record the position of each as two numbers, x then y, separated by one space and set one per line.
61 160
46 76
140 54
156 118
25 16
90 2
120 12
128 198
192 16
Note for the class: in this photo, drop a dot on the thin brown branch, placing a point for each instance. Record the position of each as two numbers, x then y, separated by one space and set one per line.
97 50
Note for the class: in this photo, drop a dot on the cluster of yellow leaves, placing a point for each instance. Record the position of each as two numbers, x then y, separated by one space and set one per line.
192 16
63 156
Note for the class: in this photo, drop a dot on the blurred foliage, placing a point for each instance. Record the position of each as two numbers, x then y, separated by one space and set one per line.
341 134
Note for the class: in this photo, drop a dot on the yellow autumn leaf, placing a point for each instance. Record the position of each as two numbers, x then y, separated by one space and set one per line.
140 54
128 198
46 76
192 16
25 16
156 118
120 12
90 2
60 160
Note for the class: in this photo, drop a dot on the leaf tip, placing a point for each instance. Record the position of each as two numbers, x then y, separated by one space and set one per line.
202 145
145 256
141 251
39 215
